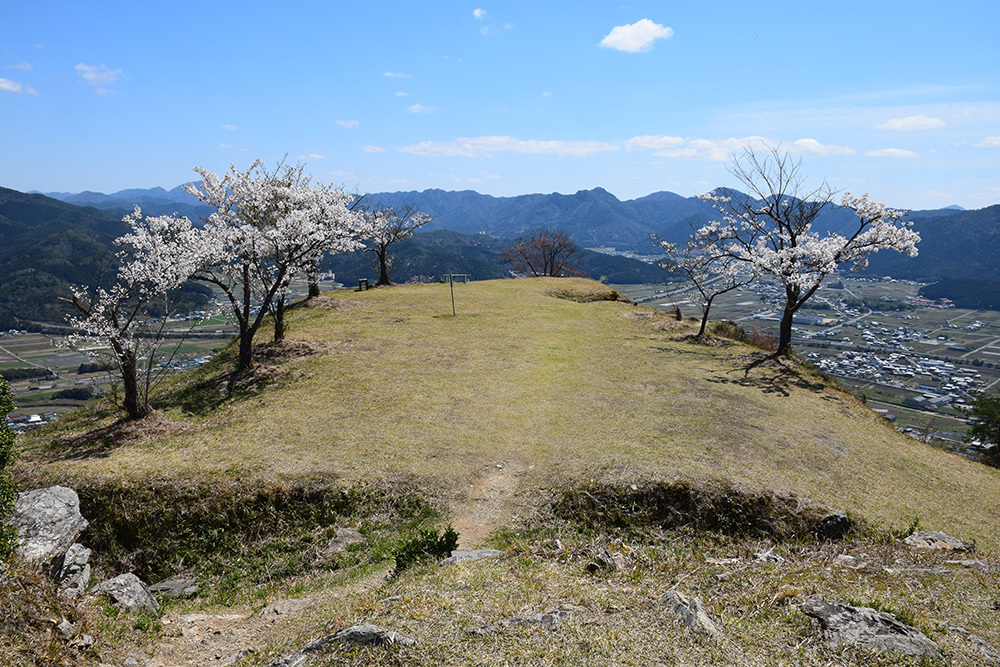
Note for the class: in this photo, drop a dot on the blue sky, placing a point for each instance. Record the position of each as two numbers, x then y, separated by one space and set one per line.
898 99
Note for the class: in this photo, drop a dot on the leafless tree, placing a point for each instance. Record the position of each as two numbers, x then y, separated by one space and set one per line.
545 253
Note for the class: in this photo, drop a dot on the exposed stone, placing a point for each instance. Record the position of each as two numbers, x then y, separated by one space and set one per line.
66 629
975 564
357 634
344 538
607 559
236 657
285 608
469 555
692 612
550 620
834 526
48 521
129 592
768 557
724 561
938 541
177 587
73 573
844 625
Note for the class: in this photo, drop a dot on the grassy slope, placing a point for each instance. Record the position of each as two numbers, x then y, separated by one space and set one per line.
559 390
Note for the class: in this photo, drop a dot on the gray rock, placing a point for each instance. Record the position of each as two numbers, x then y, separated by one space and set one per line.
176 587
550 620
356 634
344 538
938 541
66 629
469 555
73 573
129 592
48 521
236 657
768 557
692 612
843 625
607 559
285 608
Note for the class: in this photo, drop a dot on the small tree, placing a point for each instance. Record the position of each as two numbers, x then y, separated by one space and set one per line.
984 420
384 227
710 276
8 492
769 229
155 258
267 227
544 253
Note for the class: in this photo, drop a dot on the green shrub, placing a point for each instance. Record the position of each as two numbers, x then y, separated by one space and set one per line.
428 543
8 494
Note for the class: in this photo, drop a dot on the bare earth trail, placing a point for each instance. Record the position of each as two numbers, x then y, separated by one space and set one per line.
217 636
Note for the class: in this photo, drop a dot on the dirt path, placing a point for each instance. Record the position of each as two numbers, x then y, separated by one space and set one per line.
489 502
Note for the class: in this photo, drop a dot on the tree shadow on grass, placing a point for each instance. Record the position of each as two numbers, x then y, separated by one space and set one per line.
772 374
101 442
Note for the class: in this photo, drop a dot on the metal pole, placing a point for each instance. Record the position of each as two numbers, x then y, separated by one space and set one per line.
451 281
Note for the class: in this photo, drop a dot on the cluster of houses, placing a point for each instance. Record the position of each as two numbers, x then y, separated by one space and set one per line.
940 384
20 422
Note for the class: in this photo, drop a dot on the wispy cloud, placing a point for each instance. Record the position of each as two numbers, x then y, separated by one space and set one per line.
911 123
396 75
23 67
482 147
648 142
98 75
636 37
892 152
373 149
400 93
229 127
816 148
988 142
348 123
420 108
16 87
479 13
311 156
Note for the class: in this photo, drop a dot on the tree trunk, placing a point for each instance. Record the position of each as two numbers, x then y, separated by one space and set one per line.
135 406
785 333
245 360
704 317
313 282
383 267
279 318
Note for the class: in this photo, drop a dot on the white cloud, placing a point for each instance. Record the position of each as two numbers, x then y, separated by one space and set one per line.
229 127
400 93
23 67
910 123
813 146
226 146
649 142
420 108
479 13
348 123
396 75
893 153
989 142
98 75
547 94
10 86
487 146
637 37
311 156
373 149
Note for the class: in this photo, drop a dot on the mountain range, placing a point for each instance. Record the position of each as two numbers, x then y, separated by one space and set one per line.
49 241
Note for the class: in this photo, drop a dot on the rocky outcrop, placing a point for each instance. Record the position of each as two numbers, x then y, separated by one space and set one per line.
356 634
48 522
692 612
129 592
176 587
550 620
344 538
937 541
73 574
844 625
469 555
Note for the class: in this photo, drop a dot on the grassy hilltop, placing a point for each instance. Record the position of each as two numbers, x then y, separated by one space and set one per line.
609 456
387 384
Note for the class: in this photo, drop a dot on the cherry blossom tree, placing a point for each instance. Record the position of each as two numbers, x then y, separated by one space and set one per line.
710 276
386 226
267 227
155 258
769 229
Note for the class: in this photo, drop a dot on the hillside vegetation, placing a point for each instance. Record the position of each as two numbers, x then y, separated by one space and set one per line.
387 385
